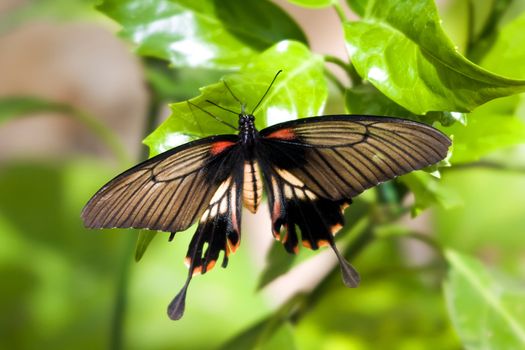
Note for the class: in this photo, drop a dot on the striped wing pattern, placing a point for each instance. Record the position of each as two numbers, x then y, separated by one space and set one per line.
338 157
167 192
313 168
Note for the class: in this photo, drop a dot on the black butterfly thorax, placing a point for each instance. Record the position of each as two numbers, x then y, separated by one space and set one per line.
248 134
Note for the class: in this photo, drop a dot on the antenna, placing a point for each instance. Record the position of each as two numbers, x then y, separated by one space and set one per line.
267 90
231 92
221 107
213 116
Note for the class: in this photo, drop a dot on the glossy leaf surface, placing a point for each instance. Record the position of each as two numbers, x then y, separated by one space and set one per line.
400 47
299 91
212 34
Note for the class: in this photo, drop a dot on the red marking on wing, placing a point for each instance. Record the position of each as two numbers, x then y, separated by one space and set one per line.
283 134
220 146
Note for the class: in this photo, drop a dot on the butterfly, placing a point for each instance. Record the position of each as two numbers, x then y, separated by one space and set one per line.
309 168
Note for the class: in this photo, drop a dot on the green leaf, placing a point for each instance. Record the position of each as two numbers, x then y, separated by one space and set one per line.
13 107
219 34
314 3
366 99
143 241
486 312
428 191
486 132
260 334
278 262
299 91
54 10
400 47
358 6
507 54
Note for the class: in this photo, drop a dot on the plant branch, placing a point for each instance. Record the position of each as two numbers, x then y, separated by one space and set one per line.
487 165
331 76
121 295
347 67
340 12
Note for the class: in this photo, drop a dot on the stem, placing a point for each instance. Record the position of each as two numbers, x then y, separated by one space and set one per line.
121 295
340 12
331 76
487 165
347 67
478 47
105 134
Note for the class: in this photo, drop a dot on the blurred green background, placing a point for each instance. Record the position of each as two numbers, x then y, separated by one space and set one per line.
84 97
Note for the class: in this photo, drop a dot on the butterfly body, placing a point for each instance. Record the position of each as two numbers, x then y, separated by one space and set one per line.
309 168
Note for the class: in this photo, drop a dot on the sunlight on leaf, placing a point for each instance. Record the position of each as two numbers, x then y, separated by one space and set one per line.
299 91
400 47
212 34
366 99
486 311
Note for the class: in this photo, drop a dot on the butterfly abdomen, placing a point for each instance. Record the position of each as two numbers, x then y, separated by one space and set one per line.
252 188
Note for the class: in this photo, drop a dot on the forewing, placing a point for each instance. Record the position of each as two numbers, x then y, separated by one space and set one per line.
338 157
167 192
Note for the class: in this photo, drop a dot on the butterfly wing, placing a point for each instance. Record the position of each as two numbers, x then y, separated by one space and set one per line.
167 192
218 230
313 167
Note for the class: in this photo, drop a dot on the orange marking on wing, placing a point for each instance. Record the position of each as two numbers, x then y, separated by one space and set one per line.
233 247
336 228
307 244
210 265
220 146
276 235
295 249
322 243
197 270
283 134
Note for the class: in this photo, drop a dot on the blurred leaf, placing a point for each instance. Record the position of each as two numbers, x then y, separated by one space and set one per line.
366 99
513 10
428 191
171 84
486 312
507 54
490 222
485 132
12 107
400 47
143 241
358 6
457 21
65 287
259 335
300 91
47 9
393 308
213 34
314 3
21 106
278 262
